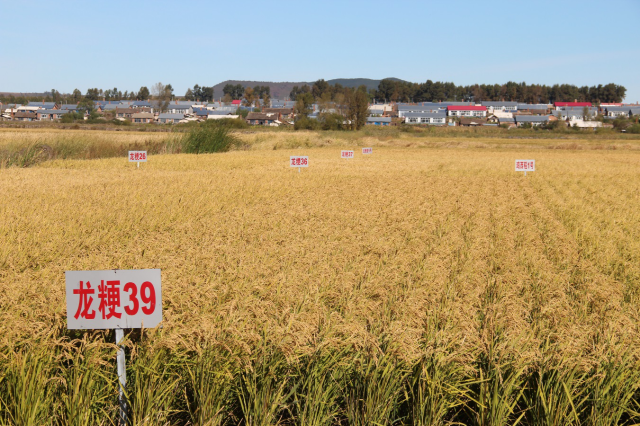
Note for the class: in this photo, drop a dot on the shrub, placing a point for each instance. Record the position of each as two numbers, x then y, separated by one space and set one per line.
331 121
306 123
208 137
634 129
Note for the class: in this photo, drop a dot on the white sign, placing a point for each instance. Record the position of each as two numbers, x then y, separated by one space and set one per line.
299 161
113 299
137 156
346 154
367 150
525 166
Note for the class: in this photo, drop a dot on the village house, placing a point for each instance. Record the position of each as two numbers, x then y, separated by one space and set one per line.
533 120
283 112
576 113
50 114
426 107
262 119
472 122
561 106
221 116
378 121
141 104
279 103
621 111
494 106
534 109
25 108
438 118
125 113
8 111
25 116
43 105
179 109
509 122
69 107
142 117
467 111
170 118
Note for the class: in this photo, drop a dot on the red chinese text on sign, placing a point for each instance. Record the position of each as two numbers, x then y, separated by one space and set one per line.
138 156
525 165
113 299
298 161
346 154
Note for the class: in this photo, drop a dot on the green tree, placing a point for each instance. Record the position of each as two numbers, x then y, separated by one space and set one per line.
92 94
143 94
76 95
162 93
248 96
304 101
189 95
357 108
319 88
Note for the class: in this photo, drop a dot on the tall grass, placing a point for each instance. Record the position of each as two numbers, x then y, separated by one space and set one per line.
34 148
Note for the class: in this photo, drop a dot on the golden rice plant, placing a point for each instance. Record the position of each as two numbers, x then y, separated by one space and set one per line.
500 299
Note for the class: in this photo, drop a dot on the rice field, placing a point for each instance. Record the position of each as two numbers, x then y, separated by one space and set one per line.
422 285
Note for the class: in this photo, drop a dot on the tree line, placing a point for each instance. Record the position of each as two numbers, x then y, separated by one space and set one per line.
388 90
429 91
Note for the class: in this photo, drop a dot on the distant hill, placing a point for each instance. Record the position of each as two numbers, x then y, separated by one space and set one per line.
357 82
281 90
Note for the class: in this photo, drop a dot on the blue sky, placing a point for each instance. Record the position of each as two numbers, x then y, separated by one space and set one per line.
129 44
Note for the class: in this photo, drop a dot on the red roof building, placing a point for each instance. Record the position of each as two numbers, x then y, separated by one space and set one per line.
235 102
572 104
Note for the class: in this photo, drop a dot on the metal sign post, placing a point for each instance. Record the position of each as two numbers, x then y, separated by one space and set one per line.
122 378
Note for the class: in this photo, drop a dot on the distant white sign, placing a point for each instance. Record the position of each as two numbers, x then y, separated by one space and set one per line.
525 166
299 161
367 150
137 156
113 299
346 154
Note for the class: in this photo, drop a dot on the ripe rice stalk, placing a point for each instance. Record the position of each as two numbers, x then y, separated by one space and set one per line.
611 391
318 386
264 388
556 395
374 390
436 390
88 387
28 388
152 386
209 387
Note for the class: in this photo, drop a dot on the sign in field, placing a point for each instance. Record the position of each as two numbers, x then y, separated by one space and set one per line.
299 161
525 166
137 156
113 299
346 154
367 150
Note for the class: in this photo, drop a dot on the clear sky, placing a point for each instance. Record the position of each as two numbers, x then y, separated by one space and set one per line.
128 44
